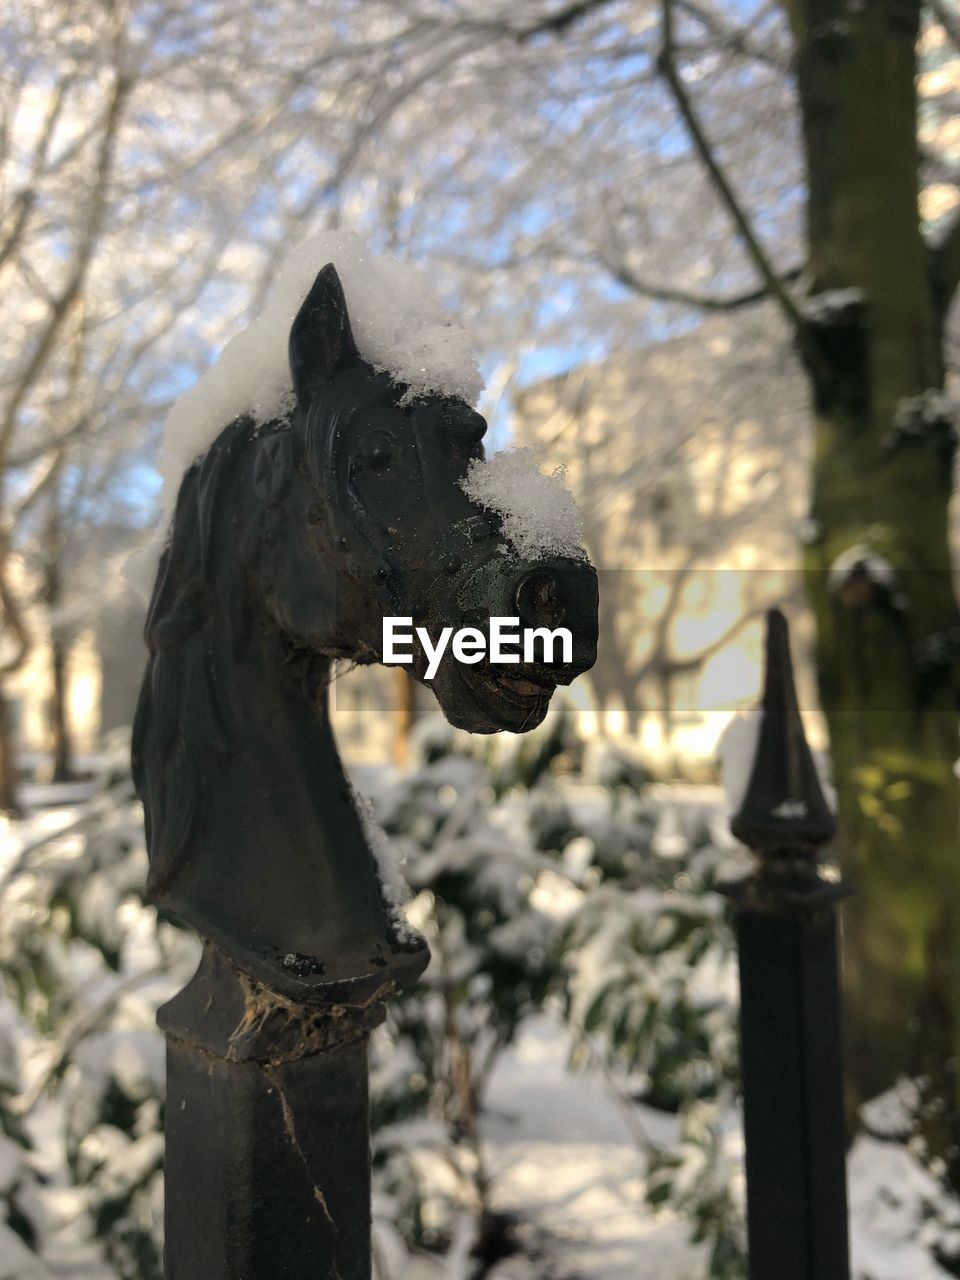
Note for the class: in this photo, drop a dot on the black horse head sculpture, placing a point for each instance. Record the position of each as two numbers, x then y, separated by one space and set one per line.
291 541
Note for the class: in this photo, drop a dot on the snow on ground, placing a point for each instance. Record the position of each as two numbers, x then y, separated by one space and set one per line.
893 1215
54 795
562 1158
67 1253
564 1161
41 824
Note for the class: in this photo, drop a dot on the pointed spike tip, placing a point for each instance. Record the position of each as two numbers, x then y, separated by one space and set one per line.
784 808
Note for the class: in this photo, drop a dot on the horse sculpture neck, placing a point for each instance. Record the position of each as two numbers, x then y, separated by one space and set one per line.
257 842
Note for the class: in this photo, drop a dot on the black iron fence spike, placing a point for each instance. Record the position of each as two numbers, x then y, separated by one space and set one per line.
783 808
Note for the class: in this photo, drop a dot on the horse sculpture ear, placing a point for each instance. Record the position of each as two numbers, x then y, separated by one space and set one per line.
320 337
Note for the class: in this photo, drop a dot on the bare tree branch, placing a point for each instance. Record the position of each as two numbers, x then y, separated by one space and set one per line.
690 298
552 24
70 292
13 621
736 39
772 279
561 21
49 464
25 199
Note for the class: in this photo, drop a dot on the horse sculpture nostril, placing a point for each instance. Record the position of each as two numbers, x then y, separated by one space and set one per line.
538 600
561 593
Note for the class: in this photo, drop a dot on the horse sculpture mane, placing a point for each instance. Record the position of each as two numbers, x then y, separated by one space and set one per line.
289 542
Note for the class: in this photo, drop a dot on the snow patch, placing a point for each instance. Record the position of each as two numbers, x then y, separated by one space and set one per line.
396 891
900 1216
931 408
538 512
892 1115
399 325
833 306
863 561
809 531
737 749
788 809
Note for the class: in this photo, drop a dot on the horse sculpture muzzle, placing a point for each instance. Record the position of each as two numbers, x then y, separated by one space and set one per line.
543 595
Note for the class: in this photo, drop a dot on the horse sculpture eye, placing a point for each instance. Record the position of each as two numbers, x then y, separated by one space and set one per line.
379 452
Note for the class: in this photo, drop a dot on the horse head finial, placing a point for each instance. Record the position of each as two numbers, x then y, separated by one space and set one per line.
292 540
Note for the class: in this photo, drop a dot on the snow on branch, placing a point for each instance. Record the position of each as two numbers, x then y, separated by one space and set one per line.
860 562
834 306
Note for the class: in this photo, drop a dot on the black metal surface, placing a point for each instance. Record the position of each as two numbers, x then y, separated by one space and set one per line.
267 1165
790 1002
784 806
290 543
267 1168
793 1102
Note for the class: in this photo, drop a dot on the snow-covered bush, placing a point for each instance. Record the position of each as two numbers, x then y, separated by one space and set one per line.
652 991
546 876
85 961
21 1205
473 871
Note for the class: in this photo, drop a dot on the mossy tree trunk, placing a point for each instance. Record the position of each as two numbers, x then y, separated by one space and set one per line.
888 631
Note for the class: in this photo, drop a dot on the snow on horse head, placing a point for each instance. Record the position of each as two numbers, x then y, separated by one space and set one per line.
291 541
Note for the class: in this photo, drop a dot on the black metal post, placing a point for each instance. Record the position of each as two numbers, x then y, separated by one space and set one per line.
267 1164
790 1001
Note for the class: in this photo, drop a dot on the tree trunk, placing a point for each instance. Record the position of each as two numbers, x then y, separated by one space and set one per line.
61 737
881 488
9 789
